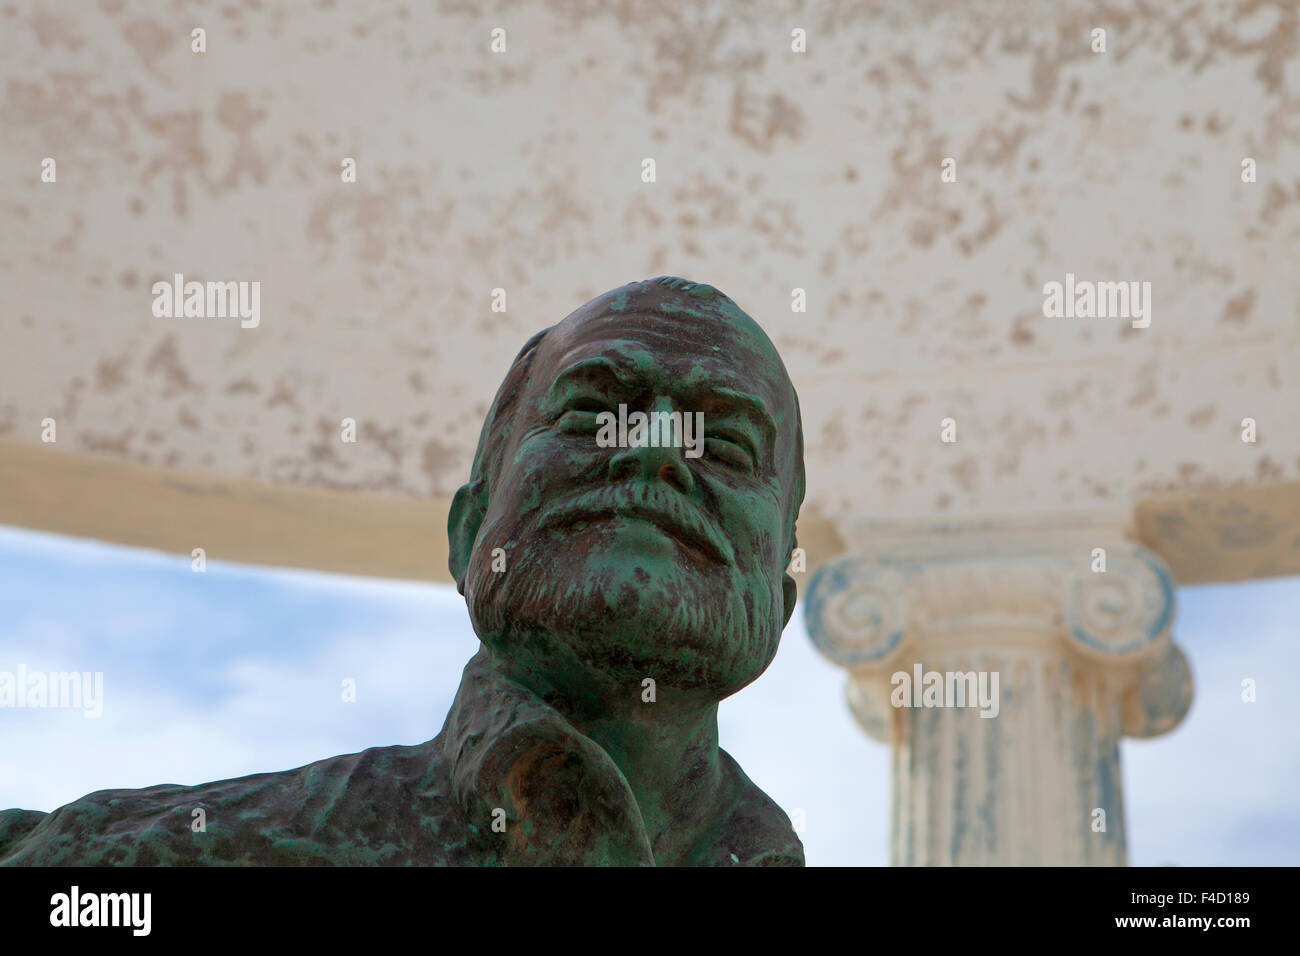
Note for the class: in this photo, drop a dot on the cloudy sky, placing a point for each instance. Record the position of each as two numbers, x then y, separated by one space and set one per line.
238 670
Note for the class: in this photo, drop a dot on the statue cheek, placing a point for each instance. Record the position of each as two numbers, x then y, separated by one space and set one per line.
754 528
551 461
541 470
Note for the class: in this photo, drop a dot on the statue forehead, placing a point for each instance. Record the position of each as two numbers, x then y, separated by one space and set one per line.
655 325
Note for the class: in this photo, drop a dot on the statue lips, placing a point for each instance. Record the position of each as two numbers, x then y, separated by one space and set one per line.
690 535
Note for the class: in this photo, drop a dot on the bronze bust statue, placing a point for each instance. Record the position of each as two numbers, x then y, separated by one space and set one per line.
620 591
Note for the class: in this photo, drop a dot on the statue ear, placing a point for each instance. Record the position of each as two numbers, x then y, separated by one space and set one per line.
791 594
468 508
789 590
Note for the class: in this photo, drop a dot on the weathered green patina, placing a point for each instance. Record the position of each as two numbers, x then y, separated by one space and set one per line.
634 588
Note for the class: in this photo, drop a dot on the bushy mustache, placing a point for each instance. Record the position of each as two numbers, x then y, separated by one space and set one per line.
667 509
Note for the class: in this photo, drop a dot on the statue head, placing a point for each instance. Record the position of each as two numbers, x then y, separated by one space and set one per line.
590 564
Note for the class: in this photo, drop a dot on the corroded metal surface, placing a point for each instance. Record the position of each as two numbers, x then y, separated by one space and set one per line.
619 593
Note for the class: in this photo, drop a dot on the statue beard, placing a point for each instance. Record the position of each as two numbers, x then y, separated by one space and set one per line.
592 623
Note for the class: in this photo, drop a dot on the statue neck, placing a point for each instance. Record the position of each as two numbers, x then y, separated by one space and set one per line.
630 785
670 761
664 742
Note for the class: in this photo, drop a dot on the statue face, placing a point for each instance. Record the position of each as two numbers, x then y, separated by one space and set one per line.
632 562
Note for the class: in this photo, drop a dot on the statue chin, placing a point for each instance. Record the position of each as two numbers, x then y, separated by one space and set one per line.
687 629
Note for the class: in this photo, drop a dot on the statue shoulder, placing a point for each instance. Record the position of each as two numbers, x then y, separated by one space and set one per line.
755 830
374 807
16 824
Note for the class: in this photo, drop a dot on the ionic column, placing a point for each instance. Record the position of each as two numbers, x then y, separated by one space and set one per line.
1070 658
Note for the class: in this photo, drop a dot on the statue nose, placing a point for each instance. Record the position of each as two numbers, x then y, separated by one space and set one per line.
666 464
664 460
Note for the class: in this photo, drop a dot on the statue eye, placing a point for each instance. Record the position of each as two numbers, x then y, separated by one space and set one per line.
580 415
730 449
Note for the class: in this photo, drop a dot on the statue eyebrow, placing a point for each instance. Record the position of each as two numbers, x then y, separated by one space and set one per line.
602 367
751 406
592 369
